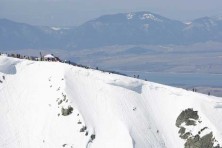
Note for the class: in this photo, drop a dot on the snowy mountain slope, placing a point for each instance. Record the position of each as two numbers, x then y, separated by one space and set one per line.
45 104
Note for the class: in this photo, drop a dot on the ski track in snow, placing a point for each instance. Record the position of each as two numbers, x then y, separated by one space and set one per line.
110 110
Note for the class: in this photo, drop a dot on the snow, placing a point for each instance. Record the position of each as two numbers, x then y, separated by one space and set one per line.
145 16
188 23
130 16
8 66
56 28
149 17
121 112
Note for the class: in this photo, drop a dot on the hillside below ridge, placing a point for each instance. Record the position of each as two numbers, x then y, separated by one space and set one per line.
52 104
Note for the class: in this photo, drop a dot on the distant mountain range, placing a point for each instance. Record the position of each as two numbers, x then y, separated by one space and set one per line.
119 29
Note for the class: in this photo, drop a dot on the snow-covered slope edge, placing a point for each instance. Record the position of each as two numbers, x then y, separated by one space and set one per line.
48 104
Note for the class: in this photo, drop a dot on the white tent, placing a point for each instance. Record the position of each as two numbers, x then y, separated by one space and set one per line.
50 56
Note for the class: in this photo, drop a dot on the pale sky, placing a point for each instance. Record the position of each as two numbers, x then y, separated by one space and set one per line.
76 12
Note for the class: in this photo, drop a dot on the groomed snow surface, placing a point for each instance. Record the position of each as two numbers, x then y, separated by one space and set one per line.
109 110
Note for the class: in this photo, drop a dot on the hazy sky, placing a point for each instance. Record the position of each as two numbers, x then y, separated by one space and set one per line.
75 12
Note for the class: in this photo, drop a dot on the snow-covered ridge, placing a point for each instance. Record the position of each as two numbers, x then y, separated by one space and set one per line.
51 104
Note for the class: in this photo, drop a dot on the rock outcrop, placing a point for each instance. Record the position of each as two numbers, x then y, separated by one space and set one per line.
188 118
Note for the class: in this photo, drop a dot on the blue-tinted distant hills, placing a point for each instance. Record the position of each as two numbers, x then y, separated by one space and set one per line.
138 28
19 35
203 29
132 28
15 35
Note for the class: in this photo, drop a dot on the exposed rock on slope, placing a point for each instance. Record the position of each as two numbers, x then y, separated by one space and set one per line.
189 118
